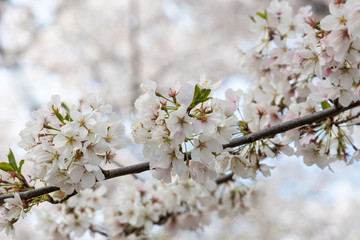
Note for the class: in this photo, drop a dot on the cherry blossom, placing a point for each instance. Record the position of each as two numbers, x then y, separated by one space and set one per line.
176 130
72 144
180 124
299 67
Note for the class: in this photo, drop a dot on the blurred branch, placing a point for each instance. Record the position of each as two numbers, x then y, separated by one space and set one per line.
99 230
338 122
135 50
227 177
13 58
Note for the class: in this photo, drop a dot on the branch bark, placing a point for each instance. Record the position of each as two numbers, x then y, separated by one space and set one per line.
269 132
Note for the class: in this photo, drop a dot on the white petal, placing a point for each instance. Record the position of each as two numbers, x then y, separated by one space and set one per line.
76 174
345 99
99 176
329 23
13 213
88 180
163 174
60 141
91 168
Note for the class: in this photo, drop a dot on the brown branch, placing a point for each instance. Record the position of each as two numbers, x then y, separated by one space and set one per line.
223 179
338 122
95 229
286 126
30 194
137 168
121 166
65 198
269 132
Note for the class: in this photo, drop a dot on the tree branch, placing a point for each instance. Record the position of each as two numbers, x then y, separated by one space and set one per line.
269 132
117 172
137 168
338 122
286 126
224 178
30 194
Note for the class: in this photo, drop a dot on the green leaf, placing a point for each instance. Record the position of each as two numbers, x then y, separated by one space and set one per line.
12 161
58 115
325 105
20 165
252 18
204 94
200 95
65 106
197 92
262 15
68 118
6 167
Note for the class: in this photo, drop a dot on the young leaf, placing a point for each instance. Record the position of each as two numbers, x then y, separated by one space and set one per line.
262 15
12 161
58 115
20 165
68 118
197 92
325 105
200 95
204 95
65 107
252 19
6 167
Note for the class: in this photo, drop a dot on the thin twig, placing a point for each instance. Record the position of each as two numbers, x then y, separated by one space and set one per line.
223 179
65 198
96 229
347 119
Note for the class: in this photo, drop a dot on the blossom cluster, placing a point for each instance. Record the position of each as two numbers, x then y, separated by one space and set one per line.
10 212
182 205
67 145
299 67
74 217
296 51
133 209
335 41
171 131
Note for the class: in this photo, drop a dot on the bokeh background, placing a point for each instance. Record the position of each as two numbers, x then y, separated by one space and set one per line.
77 47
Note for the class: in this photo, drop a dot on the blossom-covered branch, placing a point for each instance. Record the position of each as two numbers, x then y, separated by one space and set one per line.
136 168
141 167
286 126
304 88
